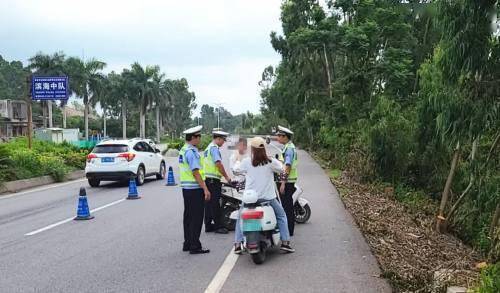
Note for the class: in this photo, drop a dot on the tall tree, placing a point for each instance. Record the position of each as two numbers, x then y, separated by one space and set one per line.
146 82
87 77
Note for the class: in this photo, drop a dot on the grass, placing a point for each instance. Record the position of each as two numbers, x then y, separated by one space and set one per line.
489 281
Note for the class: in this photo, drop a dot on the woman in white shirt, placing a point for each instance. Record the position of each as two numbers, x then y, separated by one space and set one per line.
259 172
235 161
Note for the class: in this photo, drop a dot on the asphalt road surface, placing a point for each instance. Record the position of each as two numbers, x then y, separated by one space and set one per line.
135 246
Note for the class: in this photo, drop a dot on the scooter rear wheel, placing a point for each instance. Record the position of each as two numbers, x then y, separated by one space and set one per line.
260 257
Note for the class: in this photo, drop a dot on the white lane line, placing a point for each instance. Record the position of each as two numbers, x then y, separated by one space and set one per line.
223 273
70 219
41 188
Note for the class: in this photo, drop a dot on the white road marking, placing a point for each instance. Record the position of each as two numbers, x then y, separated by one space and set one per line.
70 219
41 188
223 273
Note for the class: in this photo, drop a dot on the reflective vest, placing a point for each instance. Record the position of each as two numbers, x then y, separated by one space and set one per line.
187 177
209 167
292 177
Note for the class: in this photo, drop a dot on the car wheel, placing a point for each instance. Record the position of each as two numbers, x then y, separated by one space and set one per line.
140 176
163 172
94 182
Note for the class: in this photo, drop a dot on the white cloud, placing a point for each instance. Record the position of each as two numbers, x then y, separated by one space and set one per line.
220 46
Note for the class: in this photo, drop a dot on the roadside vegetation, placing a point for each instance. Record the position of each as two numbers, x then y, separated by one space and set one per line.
45 158
404 96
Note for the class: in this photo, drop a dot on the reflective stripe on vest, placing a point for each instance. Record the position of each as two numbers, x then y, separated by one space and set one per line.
209 167
292 177
187 177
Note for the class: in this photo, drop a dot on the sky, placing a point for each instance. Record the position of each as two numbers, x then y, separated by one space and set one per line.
220 46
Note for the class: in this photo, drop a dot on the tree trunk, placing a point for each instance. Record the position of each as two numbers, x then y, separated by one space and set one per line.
327 69
49 111
64 115
44 113
494 220
141 123
446 192
124 119
157 124
471 181
86 118
104 123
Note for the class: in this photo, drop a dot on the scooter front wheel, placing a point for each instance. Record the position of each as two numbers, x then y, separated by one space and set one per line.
302 214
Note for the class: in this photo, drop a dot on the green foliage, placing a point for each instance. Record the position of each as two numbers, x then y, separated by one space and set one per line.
385 92
390 139
335 173
489 281
205 141
173 143
415 200
12 80
45 158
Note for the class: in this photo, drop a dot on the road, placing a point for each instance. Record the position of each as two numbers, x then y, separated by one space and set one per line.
135 246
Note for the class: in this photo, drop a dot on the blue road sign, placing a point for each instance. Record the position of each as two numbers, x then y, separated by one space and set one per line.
49 88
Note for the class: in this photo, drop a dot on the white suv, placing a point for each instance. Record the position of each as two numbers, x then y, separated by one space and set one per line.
115 160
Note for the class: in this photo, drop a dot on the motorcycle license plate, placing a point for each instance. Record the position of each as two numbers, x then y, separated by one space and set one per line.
251 225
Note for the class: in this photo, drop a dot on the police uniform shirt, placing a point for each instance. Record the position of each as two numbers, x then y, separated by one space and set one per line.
289 155
215 152
193 160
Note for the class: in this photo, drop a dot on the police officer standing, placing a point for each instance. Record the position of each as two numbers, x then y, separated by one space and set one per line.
194 191
214 171
287 184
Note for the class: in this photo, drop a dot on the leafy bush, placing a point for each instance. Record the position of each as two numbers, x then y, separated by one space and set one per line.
45 158
205 141
30 164
390 139
490 279
6 171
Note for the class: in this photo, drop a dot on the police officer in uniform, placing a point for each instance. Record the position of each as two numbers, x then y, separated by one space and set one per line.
194 191
287 184
214 171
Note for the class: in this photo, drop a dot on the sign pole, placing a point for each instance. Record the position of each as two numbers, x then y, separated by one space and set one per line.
30 112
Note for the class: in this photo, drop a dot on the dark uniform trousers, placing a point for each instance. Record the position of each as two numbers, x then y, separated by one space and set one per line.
194 201
287 203
213 212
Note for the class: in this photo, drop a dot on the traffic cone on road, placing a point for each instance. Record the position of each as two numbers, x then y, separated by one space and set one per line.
132 190
170 177
83 212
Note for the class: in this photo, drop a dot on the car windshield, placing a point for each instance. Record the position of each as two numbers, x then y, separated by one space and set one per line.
110 148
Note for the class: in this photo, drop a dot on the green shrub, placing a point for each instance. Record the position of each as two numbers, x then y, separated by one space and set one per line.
391 139
489 281
206 139
6 171
45 158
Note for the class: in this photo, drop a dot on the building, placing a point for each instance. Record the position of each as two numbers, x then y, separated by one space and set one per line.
13 118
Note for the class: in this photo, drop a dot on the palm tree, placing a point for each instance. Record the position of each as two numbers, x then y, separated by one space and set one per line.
162 101
125 92
147 83
44 64
87 78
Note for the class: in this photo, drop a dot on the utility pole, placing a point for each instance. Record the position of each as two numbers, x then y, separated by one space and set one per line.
218 113
30 113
